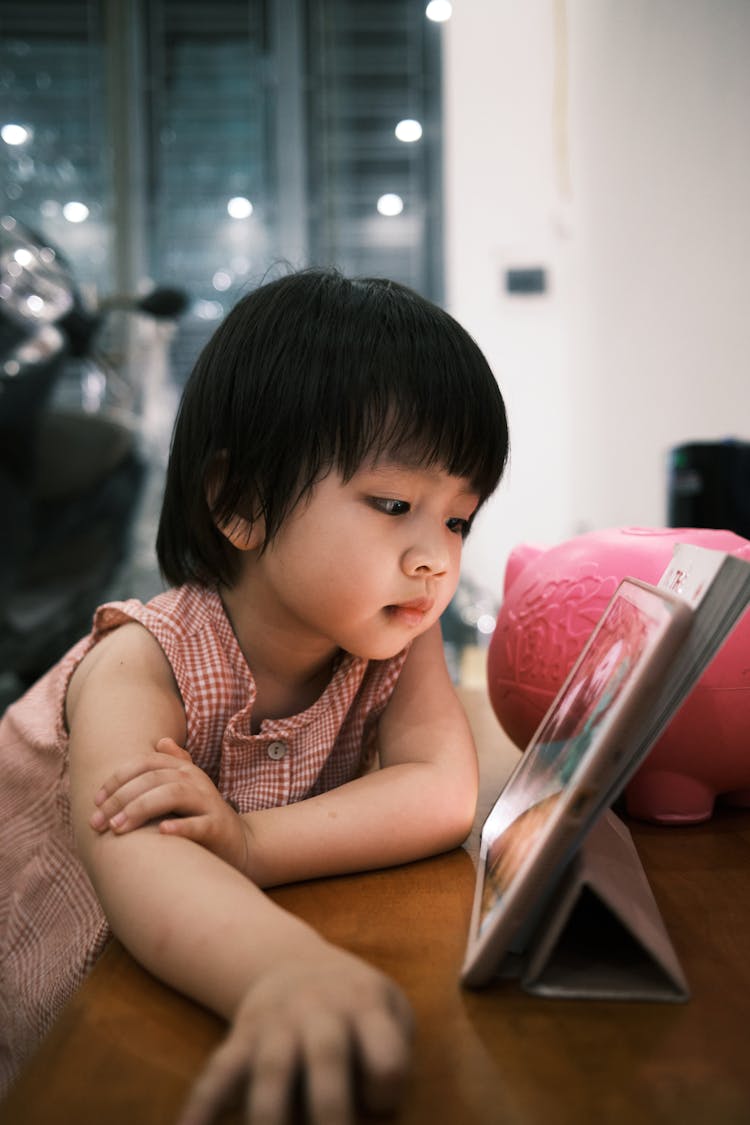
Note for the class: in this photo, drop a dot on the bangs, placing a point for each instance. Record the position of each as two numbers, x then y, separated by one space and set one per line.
410 384
402 423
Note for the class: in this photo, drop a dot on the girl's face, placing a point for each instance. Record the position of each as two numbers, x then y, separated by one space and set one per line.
368 564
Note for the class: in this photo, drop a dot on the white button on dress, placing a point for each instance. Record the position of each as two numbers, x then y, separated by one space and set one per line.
276 750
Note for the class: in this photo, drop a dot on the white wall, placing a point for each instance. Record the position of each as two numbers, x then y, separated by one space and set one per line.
608 140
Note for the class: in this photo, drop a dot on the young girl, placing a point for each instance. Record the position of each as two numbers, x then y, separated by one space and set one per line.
334 443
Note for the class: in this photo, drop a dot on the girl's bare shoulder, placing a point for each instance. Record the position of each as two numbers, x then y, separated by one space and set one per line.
127 660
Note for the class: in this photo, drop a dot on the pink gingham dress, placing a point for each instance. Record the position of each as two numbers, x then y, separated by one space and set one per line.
52 928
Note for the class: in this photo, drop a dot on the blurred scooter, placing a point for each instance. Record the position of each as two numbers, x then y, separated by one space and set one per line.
71 478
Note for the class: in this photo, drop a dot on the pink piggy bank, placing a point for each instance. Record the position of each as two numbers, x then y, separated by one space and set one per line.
552 600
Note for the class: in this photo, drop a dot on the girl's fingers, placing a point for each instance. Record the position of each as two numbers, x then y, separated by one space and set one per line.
195 828
274 1070
222 1077
169 746
127 773
285 1032
384 1052
156 802
327 1052
119 799
138 767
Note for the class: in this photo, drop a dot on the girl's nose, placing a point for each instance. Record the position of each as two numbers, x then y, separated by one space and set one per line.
425 558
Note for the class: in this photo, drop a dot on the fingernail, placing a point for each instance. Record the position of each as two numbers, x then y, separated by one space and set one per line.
98 820
101 796
118 820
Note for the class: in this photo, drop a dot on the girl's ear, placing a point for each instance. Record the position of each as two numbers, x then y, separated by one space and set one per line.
242 533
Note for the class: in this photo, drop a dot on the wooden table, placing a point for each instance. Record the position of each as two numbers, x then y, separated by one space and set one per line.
126 1048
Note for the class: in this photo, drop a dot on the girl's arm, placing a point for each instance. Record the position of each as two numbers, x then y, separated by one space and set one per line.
199 925
420 802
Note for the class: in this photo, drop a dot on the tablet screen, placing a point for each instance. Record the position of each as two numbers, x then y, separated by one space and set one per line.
576 724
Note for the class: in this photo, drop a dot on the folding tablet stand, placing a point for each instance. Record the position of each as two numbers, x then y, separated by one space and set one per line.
602 936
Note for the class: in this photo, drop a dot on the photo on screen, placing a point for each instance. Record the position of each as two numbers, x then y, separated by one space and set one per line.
559 749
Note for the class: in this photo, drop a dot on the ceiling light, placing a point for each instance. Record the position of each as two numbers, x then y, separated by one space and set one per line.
239 207
15 134
390 204
408 130
439 11
75 212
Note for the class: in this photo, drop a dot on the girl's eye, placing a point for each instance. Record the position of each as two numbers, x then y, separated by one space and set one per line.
459 526
391 507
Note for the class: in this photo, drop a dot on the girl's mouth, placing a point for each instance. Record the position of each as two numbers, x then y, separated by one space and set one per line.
411 613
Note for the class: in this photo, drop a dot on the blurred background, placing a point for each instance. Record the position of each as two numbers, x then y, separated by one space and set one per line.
570 178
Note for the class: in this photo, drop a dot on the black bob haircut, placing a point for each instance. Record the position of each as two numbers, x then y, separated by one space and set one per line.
314 372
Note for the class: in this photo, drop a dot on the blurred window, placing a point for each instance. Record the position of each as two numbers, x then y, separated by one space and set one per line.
53 153
210 144
371 67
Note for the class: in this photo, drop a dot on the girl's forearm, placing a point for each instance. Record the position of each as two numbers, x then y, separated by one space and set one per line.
185 914
394 815
202 927
188 917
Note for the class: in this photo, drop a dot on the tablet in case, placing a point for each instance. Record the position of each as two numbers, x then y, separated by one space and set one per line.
557 790
561 899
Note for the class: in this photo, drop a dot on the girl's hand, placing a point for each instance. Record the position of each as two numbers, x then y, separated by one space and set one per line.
330 1021
166 782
